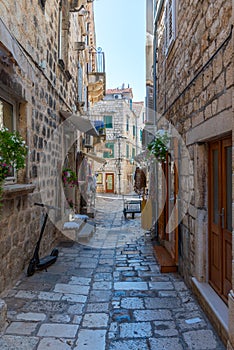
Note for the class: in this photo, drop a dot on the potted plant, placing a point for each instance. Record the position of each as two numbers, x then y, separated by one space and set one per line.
13 152
69 177
159 146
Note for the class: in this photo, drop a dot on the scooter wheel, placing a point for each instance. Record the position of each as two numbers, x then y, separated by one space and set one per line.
54 252
31 268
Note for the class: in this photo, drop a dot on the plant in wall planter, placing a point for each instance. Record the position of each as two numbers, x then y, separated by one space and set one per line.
69 177
159 146
13 152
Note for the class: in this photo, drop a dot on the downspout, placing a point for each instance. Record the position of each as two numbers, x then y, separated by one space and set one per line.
155 49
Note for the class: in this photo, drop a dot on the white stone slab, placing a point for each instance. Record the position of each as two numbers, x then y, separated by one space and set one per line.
80 280
21 328
75 298
91 339
31 316
71 289
130 286
49 296
95 320
54 344
58 330
10 342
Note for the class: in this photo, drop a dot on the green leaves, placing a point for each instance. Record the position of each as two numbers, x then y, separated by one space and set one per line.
13 149
159 146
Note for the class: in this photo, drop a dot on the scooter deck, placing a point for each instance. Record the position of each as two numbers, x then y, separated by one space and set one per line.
46 261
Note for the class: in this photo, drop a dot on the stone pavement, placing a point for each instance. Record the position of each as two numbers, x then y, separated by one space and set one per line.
106 295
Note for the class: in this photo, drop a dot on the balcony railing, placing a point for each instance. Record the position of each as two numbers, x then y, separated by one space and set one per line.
96 75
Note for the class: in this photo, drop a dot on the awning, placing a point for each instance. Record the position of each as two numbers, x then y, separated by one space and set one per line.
95 158
81 123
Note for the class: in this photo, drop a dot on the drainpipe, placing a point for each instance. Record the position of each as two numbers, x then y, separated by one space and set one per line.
155 49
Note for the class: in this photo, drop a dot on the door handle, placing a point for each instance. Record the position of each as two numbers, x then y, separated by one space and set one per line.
222 217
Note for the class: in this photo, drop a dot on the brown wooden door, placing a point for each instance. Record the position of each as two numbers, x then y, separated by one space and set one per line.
110 183
171 208
161 196
220 216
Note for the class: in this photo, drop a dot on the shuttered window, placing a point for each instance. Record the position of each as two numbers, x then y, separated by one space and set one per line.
169 24
108 121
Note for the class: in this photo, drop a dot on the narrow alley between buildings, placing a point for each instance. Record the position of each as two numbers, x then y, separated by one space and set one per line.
106 294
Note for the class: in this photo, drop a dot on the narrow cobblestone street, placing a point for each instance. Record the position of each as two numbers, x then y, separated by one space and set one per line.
106 295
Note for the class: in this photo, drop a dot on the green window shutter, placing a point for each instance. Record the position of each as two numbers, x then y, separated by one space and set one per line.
111 154
127 151
134 130
127 125
133 153
108 121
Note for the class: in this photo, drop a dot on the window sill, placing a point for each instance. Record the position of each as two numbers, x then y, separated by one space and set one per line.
16 189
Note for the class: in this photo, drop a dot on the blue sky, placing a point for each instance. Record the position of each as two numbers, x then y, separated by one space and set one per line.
120 32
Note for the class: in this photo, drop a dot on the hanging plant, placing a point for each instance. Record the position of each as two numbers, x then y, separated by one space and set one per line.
158 147
13 152
69 177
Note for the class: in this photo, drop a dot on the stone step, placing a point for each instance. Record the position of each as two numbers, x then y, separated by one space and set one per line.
86 232
164 259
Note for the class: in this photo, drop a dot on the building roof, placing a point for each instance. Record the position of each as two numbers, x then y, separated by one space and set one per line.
118 91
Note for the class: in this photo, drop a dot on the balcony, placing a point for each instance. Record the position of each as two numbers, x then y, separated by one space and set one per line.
96 75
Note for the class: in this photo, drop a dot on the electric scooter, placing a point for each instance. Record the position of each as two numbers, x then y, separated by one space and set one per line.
36 263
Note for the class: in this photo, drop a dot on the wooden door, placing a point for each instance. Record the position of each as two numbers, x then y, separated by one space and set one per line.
171 209
220 216
109 183
161 197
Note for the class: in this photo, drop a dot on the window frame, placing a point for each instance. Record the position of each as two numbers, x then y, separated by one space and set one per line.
170 24
3 97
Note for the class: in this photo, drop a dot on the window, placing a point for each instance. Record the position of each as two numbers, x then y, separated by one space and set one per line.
63 36
109 154
133 153
134 130
99 178
108 121
130 104
80 82
141 135
169 24
6 115
127 151
7 120
127 124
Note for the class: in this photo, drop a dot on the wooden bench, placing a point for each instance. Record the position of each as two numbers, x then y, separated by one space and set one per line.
132 206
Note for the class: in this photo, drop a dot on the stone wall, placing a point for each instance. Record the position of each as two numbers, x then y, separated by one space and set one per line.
194 92
39 84
120 111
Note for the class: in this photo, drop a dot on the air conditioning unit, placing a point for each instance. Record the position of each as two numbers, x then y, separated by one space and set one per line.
88 141
79 46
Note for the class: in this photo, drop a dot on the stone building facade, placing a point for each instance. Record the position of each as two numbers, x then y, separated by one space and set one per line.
122 120
193 84
44 52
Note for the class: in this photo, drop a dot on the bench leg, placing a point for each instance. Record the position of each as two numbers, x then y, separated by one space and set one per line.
133 214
